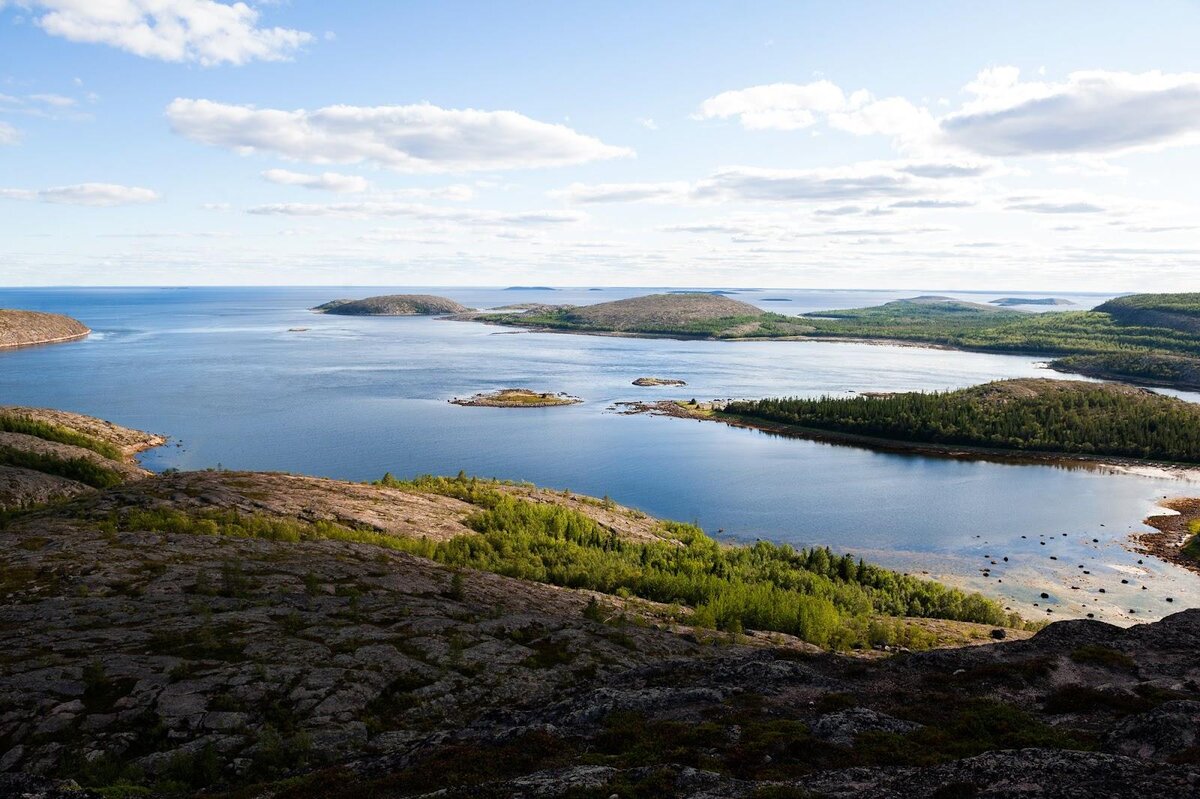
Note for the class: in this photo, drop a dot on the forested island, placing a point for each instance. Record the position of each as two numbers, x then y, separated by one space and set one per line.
393 305
1146 338
26 328
1042 416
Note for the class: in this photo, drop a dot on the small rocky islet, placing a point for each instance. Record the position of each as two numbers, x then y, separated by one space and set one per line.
517 398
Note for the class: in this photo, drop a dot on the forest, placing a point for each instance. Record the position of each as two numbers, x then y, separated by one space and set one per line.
1055 416
827 599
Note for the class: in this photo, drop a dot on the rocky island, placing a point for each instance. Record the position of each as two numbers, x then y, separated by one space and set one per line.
269 635
517 398
393 305
658 381
26 328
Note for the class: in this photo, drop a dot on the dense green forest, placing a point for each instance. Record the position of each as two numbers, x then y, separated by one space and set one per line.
814 594
1059 416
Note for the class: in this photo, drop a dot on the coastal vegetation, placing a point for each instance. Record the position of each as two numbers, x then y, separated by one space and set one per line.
823 598
1027 415
19 423
24 328
393 305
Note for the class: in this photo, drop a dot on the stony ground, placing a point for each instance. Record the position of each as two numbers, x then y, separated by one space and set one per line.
23 328
245 667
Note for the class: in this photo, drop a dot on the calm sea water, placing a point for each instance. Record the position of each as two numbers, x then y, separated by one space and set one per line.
219 372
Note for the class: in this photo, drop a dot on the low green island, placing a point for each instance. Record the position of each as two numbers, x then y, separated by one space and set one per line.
393 305
1058 417
1148 339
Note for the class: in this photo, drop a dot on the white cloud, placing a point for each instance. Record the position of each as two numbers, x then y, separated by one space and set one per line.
1044 206
405 138
429 213
862 181
203 31
326 181
57 100
647 123
792 106
932 204
777 106
93 194
624 192
1091 112
9 134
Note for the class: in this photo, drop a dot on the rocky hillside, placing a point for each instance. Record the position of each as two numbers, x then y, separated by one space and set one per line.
255 635
46 455
393 305
23 328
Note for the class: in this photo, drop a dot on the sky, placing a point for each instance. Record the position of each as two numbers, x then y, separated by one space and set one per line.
1015 145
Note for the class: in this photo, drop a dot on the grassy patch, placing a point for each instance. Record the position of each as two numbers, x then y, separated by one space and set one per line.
80 470
15 423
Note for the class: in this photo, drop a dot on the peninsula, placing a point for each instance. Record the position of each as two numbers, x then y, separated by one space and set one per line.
1148 339
267 634
393 305
26 328
1056 417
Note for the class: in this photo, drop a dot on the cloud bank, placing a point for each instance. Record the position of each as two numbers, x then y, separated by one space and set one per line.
405 138
202 31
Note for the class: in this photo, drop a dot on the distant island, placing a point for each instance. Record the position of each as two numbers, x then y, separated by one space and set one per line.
1148 339
658 381
776 299
1021 416
688 315
1017 301
393 305
718 292
531 288
26 328
517 398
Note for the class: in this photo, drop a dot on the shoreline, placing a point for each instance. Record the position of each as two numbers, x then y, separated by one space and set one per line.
1172 530
708 412
41 342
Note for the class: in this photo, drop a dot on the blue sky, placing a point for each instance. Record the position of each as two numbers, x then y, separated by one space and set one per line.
922 145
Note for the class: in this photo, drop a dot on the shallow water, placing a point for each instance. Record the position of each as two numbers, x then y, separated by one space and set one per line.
218 371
